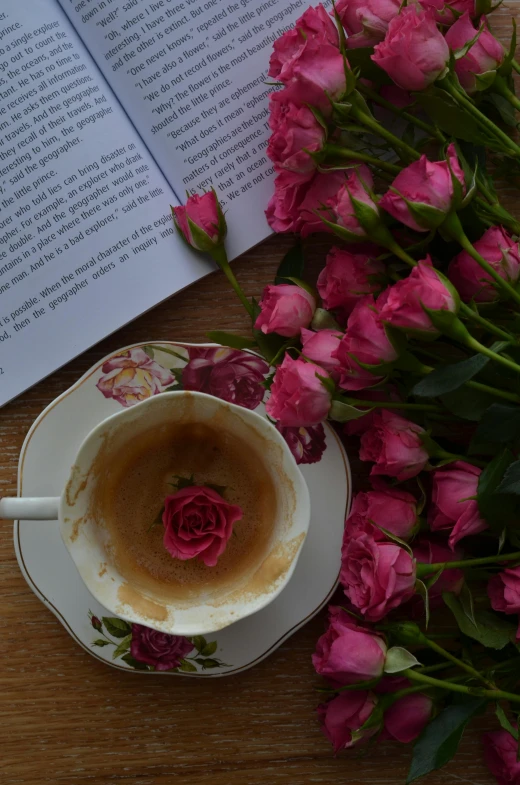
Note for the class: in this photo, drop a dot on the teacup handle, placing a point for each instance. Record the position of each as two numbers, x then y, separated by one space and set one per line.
18 508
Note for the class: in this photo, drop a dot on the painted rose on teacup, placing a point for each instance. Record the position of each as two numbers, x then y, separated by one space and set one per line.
133 376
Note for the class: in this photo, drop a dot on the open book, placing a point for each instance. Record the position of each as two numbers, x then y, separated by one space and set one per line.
109 111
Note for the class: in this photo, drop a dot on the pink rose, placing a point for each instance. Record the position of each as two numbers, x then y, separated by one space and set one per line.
395 446
298 397
320 347
447 12
453 506
348 653
388 508
285 309
228 374
501 756
343 716
198 522
315 77
296 133
159 649
428 550
324 186
500 251
366 21
423 288
504 591
201 221
306 444
365 341
414 53
347 277
376 576
407 717
284 208
422 195
357 186
132 376
484 55
315 24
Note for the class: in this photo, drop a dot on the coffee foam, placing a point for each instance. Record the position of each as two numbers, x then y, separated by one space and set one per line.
132 493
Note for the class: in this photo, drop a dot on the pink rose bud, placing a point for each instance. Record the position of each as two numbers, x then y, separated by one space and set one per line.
428 550
201 221
366 21
159 649
296 133
422 195
376 576
504 592
306 444
407 299
484 56
500 251
298 397
324 186
447 12
198 522
365 341
346 278
394 445
316 77
405 719
96 623
389 508
342 209
501 756
320 347
453 507
343 716
414 53
315 24
348 653
285 309
284 208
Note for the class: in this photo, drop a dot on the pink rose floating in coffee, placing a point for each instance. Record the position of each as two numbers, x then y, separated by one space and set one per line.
198 523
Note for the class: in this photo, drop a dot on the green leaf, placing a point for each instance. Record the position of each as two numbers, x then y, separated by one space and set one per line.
466 603
490 630
149 351
208 663
439 741
450 117
447 378
468 406
123 647
139 666
422 590
343 412
324 320
501 423
292 264
269 345
504 722
101 642
303 285
488 483
116 627
511 481
199 641
209 649
398 659
187 667
361 59
231 340
157 521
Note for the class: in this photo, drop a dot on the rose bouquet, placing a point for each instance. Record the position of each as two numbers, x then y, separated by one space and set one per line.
387 121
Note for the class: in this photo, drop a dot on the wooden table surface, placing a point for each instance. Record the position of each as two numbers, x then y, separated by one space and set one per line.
67 718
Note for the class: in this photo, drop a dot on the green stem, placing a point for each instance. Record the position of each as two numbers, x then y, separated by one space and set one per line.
448 685
489 326
484 121
472 343
220 257
459 663
398 251
355 155
501 87
423 570
376 98
378 129
419 407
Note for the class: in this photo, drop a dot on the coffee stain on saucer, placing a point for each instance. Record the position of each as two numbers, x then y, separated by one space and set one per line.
141 604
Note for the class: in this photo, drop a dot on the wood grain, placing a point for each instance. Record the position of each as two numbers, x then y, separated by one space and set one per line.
67 718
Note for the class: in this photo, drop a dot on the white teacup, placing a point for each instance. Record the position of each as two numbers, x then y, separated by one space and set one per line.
88 539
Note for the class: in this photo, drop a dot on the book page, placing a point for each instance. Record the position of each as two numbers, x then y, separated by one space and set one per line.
192 76
86 236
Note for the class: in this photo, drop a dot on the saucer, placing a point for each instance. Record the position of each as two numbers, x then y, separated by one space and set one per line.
49 450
